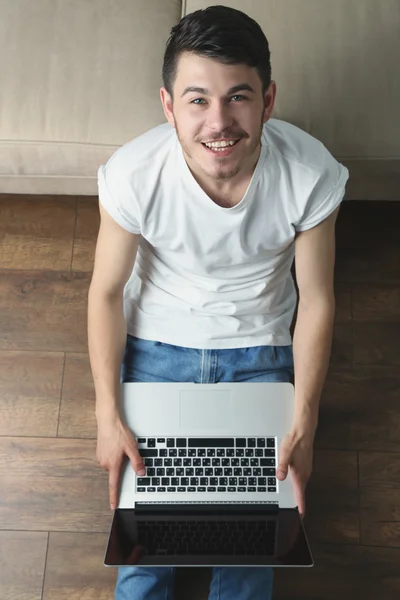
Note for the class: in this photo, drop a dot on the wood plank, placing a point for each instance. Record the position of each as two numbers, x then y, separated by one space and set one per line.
332 498
367 248
75 568
36 232
78 402
345 572
52 484
30 389
87 229
359 409
342 351
380 516
380 498
44 311
376 343
22 563
375 303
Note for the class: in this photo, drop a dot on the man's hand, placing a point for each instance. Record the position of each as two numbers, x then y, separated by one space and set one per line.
296 452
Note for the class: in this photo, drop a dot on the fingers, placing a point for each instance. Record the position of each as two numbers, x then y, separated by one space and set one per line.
284 459
137 462
113 481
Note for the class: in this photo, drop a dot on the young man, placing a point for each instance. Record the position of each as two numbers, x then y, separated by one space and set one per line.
200 220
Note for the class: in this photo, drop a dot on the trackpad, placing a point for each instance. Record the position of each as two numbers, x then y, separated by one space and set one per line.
205 409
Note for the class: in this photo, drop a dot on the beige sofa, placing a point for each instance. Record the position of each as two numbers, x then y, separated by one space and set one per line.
79 79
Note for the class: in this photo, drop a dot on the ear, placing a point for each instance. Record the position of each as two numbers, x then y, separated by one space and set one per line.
269 101
166 102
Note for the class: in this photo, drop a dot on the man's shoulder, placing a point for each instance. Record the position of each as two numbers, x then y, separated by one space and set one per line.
145 151
295 146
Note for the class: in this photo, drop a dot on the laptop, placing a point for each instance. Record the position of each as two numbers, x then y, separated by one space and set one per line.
210 495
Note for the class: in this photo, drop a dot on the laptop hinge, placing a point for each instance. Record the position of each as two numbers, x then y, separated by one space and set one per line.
206 508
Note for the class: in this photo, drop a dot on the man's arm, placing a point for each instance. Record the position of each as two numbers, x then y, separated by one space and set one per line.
312 339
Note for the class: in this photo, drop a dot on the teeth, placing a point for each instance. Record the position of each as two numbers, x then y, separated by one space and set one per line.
220 144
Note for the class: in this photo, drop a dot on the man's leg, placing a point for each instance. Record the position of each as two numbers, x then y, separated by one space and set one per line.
143 583
261 363
241 583
152 361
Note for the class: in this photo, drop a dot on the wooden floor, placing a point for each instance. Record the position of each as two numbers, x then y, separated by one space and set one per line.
54 510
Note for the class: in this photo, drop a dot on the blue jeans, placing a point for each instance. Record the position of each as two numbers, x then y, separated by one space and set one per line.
155 361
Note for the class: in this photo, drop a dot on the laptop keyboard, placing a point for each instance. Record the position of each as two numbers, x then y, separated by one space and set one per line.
207 537
207 464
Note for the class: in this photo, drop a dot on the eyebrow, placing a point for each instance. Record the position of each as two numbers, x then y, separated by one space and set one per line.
205 92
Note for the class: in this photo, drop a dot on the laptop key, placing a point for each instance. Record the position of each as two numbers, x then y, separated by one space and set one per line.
201 489
165 481
251 489
269 451
181 489
231 489
151 443
211 489
191 489
211 442
241 443
143 481
270 443
181 443
272 489
170 443
267 462
155 481
261 489
241 489
141 440
221 489
172 452
146 452
151 489
171 489
141 489
161 489
260 442
267 472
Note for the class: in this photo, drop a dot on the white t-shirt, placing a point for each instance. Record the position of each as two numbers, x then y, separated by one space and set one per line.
213 277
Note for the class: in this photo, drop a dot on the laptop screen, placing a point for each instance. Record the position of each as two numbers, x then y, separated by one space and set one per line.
265 537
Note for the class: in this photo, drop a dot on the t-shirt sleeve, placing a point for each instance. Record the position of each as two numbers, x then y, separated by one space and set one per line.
119 200
326 195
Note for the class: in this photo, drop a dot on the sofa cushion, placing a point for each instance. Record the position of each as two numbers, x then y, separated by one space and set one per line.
78 79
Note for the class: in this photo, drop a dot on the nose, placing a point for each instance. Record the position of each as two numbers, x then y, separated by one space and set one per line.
219 117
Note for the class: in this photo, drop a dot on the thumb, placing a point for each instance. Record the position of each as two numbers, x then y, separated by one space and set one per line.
284 459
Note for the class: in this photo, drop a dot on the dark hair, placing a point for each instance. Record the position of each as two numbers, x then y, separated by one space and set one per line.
225 34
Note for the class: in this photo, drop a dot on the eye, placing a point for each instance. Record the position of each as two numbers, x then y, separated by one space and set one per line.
202 99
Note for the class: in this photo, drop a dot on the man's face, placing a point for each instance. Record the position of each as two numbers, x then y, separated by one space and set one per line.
228 107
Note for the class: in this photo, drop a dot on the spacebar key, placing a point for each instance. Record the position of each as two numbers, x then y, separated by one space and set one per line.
211 443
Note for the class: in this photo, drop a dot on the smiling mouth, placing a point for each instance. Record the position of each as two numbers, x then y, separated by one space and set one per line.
222 150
